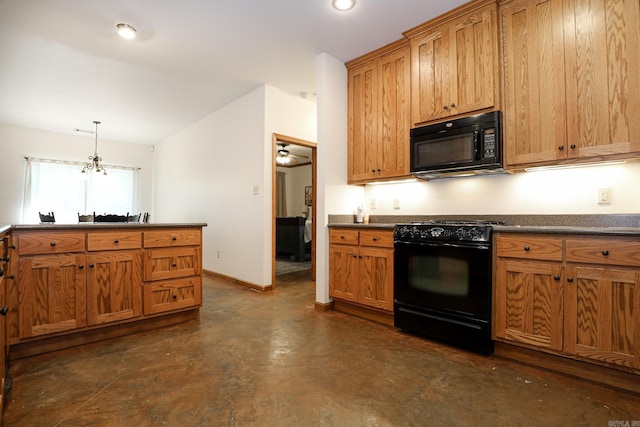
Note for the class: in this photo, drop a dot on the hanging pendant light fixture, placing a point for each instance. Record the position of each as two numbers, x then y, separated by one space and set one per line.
94 161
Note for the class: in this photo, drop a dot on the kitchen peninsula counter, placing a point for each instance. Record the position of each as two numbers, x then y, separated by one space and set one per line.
69 284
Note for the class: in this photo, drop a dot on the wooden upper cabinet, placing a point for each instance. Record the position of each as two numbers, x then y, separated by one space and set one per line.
534 81
571 80
379 114
602 51
454 63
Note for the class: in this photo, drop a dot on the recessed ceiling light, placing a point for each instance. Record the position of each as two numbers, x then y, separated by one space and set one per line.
126 31
343 5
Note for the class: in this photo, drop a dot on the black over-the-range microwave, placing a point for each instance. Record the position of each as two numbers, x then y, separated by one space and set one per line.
470 145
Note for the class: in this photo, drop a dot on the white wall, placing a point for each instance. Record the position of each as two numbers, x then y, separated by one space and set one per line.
334 195
567 191
18 142
211 171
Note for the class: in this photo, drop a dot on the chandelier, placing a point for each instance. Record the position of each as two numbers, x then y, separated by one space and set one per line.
94 161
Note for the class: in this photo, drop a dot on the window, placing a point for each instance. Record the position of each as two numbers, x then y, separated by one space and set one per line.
59 186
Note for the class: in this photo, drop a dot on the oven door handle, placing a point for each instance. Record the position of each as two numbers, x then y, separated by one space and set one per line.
480 246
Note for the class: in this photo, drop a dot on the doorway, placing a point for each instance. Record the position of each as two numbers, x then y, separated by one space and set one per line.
293 229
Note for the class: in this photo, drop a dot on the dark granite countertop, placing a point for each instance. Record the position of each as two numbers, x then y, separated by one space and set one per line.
102 225
591 224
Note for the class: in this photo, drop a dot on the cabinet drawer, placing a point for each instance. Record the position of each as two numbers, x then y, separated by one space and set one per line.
50 243
172 295
168 263
604 251
529 247
344 236
376 238
172 237
114 240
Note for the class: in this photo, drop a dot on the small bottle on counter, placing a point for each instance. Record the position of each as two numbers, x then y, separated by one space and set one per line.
359 214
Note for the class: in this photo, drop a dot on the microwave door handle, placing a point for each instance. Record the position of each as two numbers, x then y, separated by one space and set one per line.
476 145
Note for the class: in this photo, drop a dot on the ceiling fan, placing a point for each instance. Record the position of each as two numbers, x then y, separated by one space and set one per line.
284 157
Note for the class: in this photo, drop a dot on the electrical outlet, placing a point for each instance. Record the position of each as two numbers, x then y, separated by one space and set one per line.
218 254
372 203
604 196
256 190
396 203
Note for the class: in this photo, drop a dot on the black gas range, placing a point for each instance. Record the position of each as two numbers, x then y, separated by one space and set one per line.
443 281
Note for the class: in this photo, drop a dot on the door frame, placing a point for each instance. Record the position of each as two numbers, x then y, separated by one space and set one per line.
276 137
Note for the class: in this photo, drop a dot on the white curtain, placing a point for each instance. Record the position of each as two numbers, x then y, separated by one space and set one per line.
281 194
59 186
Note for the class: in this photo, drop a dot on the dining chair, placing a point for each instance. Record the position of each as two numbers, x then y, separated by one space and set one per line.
47 218
85 218
110 218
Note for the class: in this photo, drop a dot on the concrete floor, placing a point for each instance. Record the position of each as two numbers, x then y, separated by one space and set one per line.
271 360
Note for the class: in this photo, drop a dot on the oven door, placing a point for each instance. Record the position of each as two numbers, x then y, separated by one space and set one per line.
447 277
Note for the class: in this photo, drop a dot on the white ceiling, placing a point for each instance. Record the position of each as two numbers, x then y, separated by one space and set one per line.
62 65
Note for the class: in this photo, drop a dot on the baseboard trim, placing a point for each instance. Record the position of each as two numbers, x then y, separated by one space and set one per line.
322 307
601 375
235 281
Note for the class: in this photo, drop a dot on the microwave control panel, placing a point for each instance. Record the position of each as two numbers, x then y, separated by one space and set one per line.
489 143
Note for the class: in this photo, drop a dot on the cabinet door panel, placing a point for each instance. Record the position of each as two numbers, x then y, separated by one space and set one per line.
534 91
602 317
394 119
376 284
363 122
473 61
113 286
52 294
343 272
167 263
172 295
430 76
603 70
529 303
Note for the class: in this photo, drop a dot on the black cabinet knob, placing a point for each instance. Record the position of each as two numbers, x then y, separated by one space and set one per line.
556 278
446 107
174 238
1 272
4 310
375 239
526 248
174 265
570 279
91 266
53 243
605 252
561 147
573 146
12 246
116 241
5 259
174 296
81 266
453 105
11 276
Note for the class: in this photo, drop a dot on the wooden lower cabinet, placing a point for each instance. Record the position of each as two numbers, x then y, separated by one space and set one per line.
52 294
586 305
71 284
114 282
362 272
